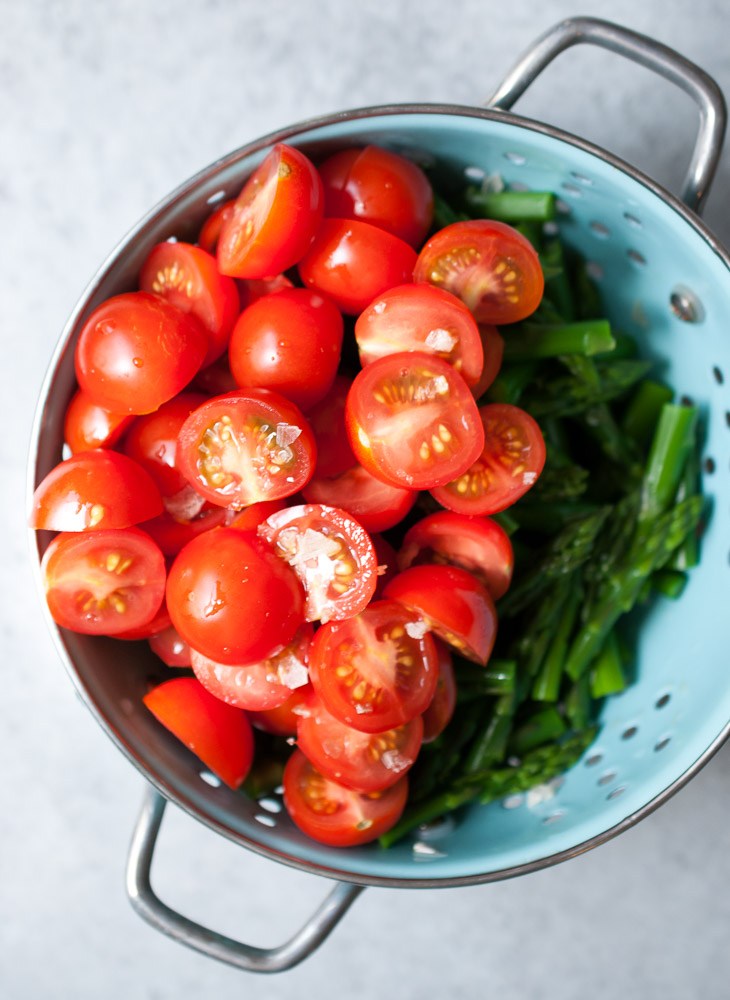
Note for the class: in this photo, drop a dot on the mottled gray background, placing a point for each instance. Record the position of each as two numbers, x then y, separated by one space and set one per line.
104 107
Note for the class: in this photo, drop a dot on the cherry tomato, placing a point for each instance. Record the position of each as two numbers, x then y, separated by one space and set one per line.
246 446
251 517
490 266
218 734
352 262
510 463
152 441
136 351
421 318
475 543
282 720
377 670
154 626
274 218
289 341
92 490
215 379
327 420
367 762
211 228
493 349
330 553
376 505
87 425
453 602
380 187
412 421
172 533
188 277
171 648
103 582
441 710
332 814
232 599
250 291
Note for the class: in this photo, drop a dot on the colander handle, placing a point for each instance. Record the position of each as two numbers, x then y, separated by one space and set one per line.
242 956
648 53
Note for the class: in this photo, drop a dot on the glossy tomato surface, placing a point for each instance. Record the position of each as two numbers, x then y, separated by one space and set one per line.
327 420
151 441
493 351
211 228
253 686
88 425
441 710
376 505
170 647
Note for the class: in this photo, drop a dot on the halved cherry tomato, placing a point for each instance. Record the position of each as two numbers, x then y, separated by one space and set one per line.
211 228
379 187
352 262
152 441
440 712
253 289
173 533
274 218
171 648
493 348
282 720
377 670
88 425
490 266
92 490
327 420
136 351
475 543
103 582
330 553
246 446
412 421
332 814
375 504
509 465
421 318
367 762
289 341
188 277
217 734
231 598
453 602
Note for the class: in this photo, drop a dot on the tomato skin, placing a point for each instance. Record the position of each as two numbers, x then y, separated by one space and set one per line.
251 517
334 815
441 710
282 720
211 228
103 582
289 341
493 350
88 425
509 465
93 490
421 318
352 262
217 734
173 533
152 441
275 217
154 626
376 505
188 277
253 289
489 265
412 421
378 186
232 599
477 544
170 647
453 603
215 379
327 420
136 351
251 686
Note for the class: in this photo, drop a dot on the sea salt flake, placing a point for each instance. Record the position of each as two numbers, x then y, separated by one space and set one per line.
441 340
286 434
416 630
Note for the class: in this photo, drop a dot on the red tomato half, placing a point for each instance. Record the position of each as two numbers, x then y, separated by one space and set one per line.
352 262
377 670
103 582
379 187
136 351
367 762
275 217
218 734
246 446
453 603
152 441
211 228
289 341
375 504
154 626
332 814
421 318
87 425
331 554
188 277
491 267
92 490
439 713
327 420
283 719
475 543
173 533
509 465
231 598
253 289
171 648
412 421
493 348
251 517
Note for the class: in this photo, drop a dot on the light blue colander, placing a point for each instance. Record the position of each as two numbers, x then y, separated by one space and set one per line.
665 280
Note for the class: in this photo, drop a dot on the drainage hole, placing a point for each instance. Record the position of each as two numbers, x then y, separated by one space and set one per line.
615 792
662 743
629 733
607 777
663 701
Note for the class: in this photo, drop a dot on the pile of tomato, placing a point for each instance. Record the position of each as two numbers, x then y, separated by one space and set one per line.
248 424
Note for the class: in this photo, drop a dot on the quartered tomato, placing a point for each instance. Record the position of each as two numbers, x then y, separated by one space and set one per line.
334 815
376 505
509 465
211 228
152 441
218 734
188 277
275 217
377 670
490 266
88 425
327 420
103 582
412 421
439 713
331 554
246 446
367 762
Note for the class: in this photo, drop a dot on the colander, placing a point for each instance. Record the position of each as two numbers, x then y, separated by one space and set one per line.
666 280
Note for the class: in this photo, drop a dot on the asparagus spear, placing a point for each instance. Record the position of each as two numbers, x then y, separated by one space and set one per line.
512 206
